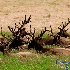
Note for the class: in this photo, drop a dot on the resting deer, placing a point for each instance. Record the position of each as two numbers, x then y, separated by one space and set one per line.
18 33
35 42
4 44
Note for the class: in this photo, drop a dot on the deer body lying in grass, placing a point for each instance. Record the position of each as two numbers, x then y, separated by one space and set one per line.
18 33
65 42
47 41
37 41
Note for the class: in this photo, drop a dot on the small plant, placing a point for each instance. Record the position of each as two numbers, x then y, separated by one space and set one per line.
48 15
52 3
7 34
45 35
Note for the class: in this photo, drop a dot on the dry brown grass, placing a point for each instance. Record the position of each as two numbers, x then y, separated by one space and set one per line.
44 12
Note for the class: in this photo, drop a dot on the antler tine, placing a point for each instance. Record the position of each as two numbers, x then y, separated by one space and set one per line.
16 26
40 34
28 19
11 29
68 20
30 29
25 19
45 28
51 29
23 22
65 25
61 26
2 33
33 34
66 29
19 23
1 30
34 30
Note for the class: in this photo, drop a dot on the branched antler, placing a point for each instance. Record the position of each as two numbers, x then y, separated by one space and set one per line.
63 30
35 42
18 33
42 32
19 30
64 25
39 36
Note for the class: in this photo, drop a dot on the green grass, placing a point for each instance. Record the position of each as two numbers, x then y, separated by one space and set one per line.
7 34
41 62
51 46
45 35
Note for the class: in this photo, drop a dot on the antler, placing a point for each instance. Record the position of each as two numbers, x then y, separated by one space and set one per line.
51 30
64 25
63 30
32 34
17 31
39 36
42 32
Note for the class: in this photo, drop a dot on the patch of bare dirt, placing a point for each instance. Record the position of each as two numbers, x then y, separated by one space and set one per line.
61 51
24 54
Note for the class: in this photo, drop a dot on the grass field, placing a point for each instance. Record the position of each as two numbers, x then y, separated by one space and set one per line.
40 62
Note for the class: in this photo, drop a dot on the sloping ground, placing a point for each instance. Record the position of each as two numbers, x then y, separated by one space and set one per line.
44 12
61 51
